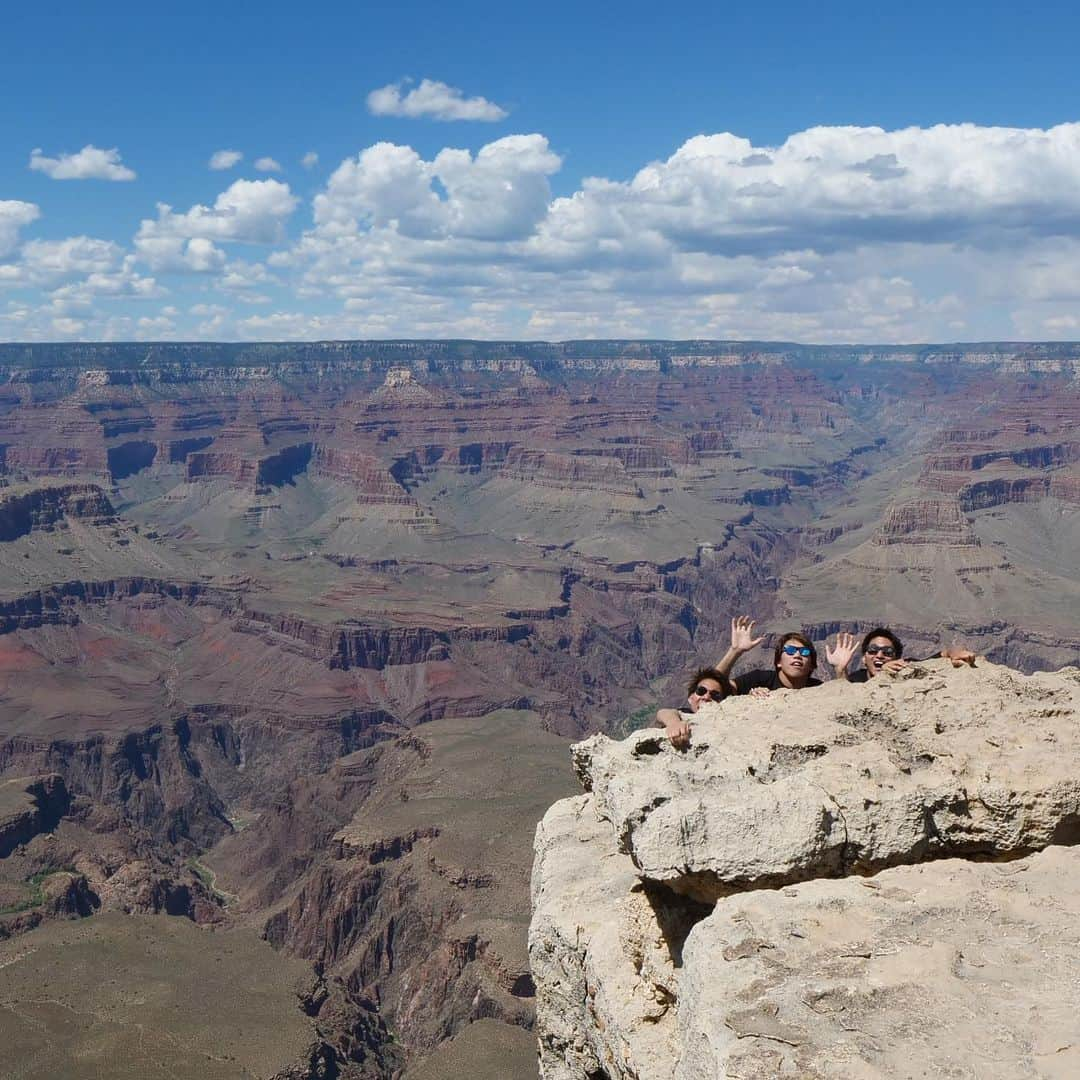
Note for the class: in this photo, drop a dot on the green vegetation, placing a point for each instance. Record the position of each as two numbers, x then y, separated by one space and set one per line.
642 718
209 879
35 896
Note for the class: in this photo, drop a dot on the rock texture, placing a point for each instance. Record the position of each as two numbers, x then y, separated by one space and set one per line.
863 881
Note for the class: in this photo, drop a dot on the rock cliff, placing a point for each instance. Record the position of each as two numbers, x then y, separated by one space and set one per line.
864 881
46 507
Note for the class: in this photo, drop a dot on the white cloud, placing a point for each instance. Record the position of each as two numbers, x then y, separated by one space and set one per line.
837 234
839 188
46 259
243 279
248 211
154 328
68 328
14 215
500 194
175 253
267 164
90 163
224 159
310 160
431 99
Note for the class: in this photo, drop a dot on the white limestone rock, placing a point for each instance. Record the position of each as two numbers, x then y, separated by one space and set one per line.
599 955
846 779
958 969
842 938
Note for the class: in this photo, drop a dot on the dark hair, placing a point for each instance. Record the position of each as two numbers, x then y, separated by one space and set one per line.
802 639
885 632
708 673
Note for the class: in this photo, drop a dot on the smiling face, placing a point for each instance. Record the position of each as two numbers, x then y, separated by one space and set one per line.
706 690
879 651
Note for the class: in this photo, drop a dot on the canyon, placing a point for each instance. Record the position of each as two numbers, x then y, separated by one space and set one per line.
294 638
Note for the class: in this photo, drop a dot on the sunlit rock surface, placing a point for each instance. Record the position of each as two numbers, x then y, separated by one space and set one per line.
856 881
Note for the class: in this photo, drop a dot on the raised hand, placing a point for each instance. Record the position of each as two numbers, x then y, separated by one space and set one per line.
959 656
840 654
742 628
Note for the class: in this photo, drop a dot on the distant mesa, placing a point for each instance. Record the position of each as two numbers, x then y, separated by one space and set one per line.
400 387
259 473
546 468
926 521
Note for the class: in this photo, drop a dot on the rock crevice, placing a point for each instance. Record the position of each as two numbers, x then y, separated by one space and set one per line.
796 894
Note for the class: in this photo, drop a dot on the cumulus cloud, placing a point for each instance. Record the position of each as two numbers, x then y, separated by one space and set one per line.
90 163
836 234
310 160
830 189
14 215
224 159
154 328
267 164
500 194
164 253
431 99
46 260
248 211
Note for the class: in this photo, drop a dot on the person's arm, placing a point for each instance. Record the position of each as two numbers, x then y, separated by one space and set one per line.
840 654
742 641
675 726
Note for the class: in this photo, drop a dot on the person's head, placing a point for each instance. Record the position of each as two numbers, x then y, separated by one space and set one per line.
879 647
795 657
708 684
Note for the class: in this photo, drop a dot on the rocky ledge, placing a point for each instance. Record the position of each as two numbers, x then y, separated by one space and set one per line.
872 880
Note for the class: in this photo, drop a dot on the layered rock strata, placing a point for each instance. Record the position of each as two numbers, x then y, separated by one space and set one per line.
858 881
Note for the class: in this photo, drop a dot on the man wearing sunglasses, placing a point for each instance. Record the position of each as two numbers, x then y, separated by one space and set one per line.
883 651
794 661
706 685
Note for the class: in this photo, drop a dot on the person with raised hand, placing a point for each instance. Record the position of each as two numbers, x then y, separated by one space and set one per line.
883 652
707 684
794 661
840 654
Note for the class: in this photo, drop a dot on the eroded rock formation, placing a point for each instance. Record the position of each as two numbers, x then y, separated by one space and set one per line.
858 881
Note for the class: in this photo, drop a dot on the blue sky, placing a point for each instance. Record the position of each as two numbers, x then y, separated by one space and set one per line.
793 218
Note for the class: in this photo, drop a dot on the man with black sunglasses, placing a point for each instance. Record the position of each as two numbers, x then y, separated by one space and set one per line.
706 685
883 651
794 661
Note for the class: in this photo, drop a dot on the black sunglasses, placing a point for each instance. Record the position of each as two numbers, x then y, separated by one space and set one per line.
796 650
885 650
712 695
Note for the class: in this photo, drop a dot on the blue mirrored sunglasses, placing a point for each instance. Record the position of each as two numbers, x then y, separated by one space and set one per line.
797 650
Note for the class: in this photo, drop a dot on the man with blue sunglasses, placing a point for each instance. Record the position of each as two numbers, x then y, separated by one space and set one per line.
794 661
